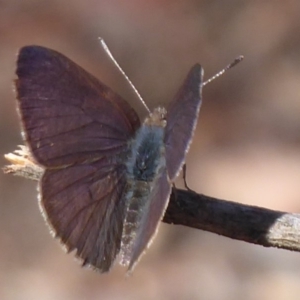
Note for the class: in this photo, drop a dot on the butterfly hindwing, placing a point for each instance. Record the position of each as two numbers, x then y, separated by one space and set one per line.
84 205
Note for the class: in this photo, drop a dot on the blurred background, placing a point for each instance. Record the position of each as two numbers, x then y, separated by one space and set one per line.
246 146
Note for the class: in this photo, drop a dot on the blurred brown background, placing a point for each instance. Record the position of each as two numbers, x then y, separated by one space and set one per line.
246 146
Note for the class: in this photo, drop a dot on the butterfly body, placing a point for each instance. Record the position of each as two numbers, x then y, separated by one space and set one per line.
144 167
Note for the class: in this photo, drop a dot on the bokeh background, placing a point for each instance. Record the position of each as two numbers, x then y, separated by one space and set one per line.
246 147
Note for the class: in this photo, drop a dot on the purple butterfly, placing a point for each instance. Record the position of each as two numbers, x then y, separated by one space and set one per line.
108 177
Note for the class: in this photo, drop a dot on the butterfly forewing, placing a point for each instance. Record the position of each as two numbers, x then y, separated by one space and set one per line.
182 116
68 115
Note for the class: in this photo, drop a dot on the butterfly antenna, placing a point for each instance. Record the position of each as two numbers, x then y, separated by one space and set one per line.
106 49
228 67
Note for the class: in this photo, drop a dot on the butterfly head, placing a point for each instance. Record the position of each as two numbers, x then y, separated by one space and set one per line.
157 118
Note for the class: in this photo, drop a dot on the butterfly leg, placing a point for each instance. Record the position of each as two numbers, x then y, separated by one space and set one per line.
184 179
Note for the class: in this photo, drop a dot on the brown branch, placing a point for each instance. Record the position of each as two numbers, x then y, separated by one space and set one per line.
251 224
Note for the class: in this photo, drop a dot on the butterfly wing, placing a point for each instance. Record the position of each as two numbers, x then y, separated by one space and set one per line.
152 216
182 117
68 116
78 130
85 208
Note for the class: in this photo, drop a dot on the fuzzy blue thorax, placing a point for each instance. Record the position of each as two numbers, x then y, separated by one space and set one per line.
145 164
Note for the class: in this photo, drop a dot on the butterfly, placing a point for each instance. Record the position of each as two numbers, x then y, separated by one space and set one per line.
107 175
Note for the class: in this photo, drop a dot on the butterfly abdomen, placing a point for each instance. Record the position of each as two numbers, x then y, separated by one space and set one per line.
146 162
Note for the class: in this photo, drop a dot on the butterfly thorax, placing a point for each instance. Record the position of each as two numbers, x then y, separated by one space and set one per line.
145 164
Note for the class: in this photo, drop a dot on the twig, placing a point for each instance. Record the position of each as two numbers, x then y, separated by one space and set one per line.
251 224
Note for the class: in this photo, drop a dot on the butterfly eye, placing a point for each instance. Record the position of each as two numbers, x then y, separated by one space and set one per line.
142 165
